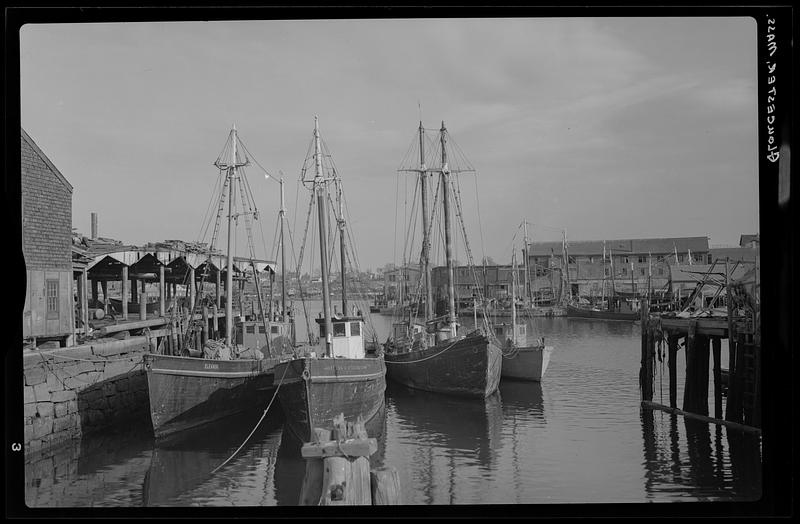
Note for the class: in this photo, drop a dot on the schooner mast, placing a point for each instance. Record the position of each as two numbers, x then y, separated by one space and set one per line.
320 188
230 180
445 183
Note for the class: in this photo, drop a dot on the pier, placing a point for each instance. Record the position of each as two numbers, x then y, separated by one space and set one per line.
700 336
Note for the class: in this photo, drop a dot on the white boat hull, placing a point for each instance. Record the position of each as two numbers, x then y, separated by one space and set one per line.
527 363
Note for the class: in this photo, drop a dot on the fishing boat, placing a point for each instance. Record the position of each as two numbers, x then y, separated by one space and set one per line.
618 306
432 355
521 360
335 375
223 377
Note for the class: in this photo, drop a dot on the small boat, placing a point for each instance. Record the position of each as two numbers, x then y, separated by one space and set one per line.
432 355
335 376
521 360
223 377
624 310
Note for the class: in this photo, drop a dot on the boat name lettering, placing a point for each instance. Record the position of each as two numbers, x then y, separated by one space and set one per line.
210 366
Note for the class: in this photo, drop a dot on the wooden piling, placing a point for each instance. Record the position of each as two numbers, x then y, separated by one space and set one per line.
688 390
338 471
672 345
716 344
385 485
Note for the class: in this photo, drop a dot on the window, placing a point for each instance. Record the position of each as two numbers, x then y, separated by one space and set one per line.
355 329
274 330
624 270
251 329
591 260
607 271
641 270
642 260
339 329
51 294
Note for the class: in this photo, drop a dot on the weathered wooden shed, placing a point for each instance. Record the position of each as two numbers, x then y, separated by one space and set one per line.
48 314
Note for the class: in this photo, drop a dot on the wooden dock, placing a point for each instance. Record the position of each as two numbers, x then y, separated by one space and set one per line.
701 339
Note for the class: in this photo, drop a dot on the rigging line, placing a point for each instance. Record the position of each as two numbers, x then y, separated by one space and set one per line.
253 157
275 394
298 275
480 222
206 223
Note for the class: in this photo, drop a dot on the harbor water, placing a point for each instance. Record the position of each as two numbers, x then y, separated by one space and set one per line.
579 436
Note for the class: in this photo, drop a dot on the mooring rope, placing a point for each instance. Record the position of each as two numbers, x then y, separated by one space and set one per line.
257 423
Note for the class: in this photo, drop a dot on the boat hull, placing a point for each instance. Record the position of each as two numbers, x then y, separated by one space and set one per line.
470 367
312 391
577 312
186 392
527 363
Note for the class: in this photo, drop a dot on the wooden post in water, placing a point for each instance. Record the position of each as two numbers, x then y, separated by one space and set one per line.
134 291
646 369
716 344
672 345
701 349
337 469
691 371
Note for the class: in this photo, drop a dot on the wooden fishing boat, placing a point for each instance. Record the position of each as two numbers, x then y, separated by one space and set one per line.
335 376
433 356
222 378
521 360
596 313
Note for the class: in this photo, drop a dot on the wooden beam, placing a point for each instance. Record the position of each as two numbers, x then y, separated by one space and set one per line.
726 423
349 448
716 344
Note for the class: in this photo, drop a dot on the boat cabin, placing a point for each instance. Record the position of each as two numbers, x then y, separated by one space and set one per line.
347 340
250 333
505 332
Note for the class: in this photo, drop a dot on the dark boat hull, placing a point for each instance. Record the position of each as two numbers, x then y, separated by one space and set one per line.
187 392
470 367
312 391
578 312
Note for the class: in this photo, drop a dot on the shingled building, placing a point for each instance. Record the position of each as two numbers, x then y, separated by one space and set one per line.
47 247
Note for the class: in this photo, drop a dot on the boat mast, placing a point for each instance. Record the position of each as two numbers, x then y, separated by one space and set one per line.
342 251
229 276
613 284
426 268
445 178
282 214
513 297
527 288
603 291
319 189
566 265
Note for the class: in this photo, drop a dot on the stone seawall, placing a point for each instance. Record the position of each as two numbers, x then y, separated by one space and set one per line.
71 392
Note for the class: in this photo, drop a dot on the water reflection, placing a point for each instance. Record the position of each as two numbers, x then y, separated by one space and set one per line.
691 462
96 472
182 462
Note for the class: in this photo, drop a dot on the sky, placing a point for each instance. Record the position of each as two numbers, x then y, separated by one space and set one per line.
603 128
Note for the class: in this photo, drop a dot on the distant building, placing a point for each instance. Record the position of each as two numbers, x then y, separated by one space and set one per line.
399 283
48 313
751 241
633 260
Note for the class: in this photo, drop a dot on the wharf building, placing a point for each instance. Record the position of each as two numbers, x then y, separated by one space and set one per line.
668 263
